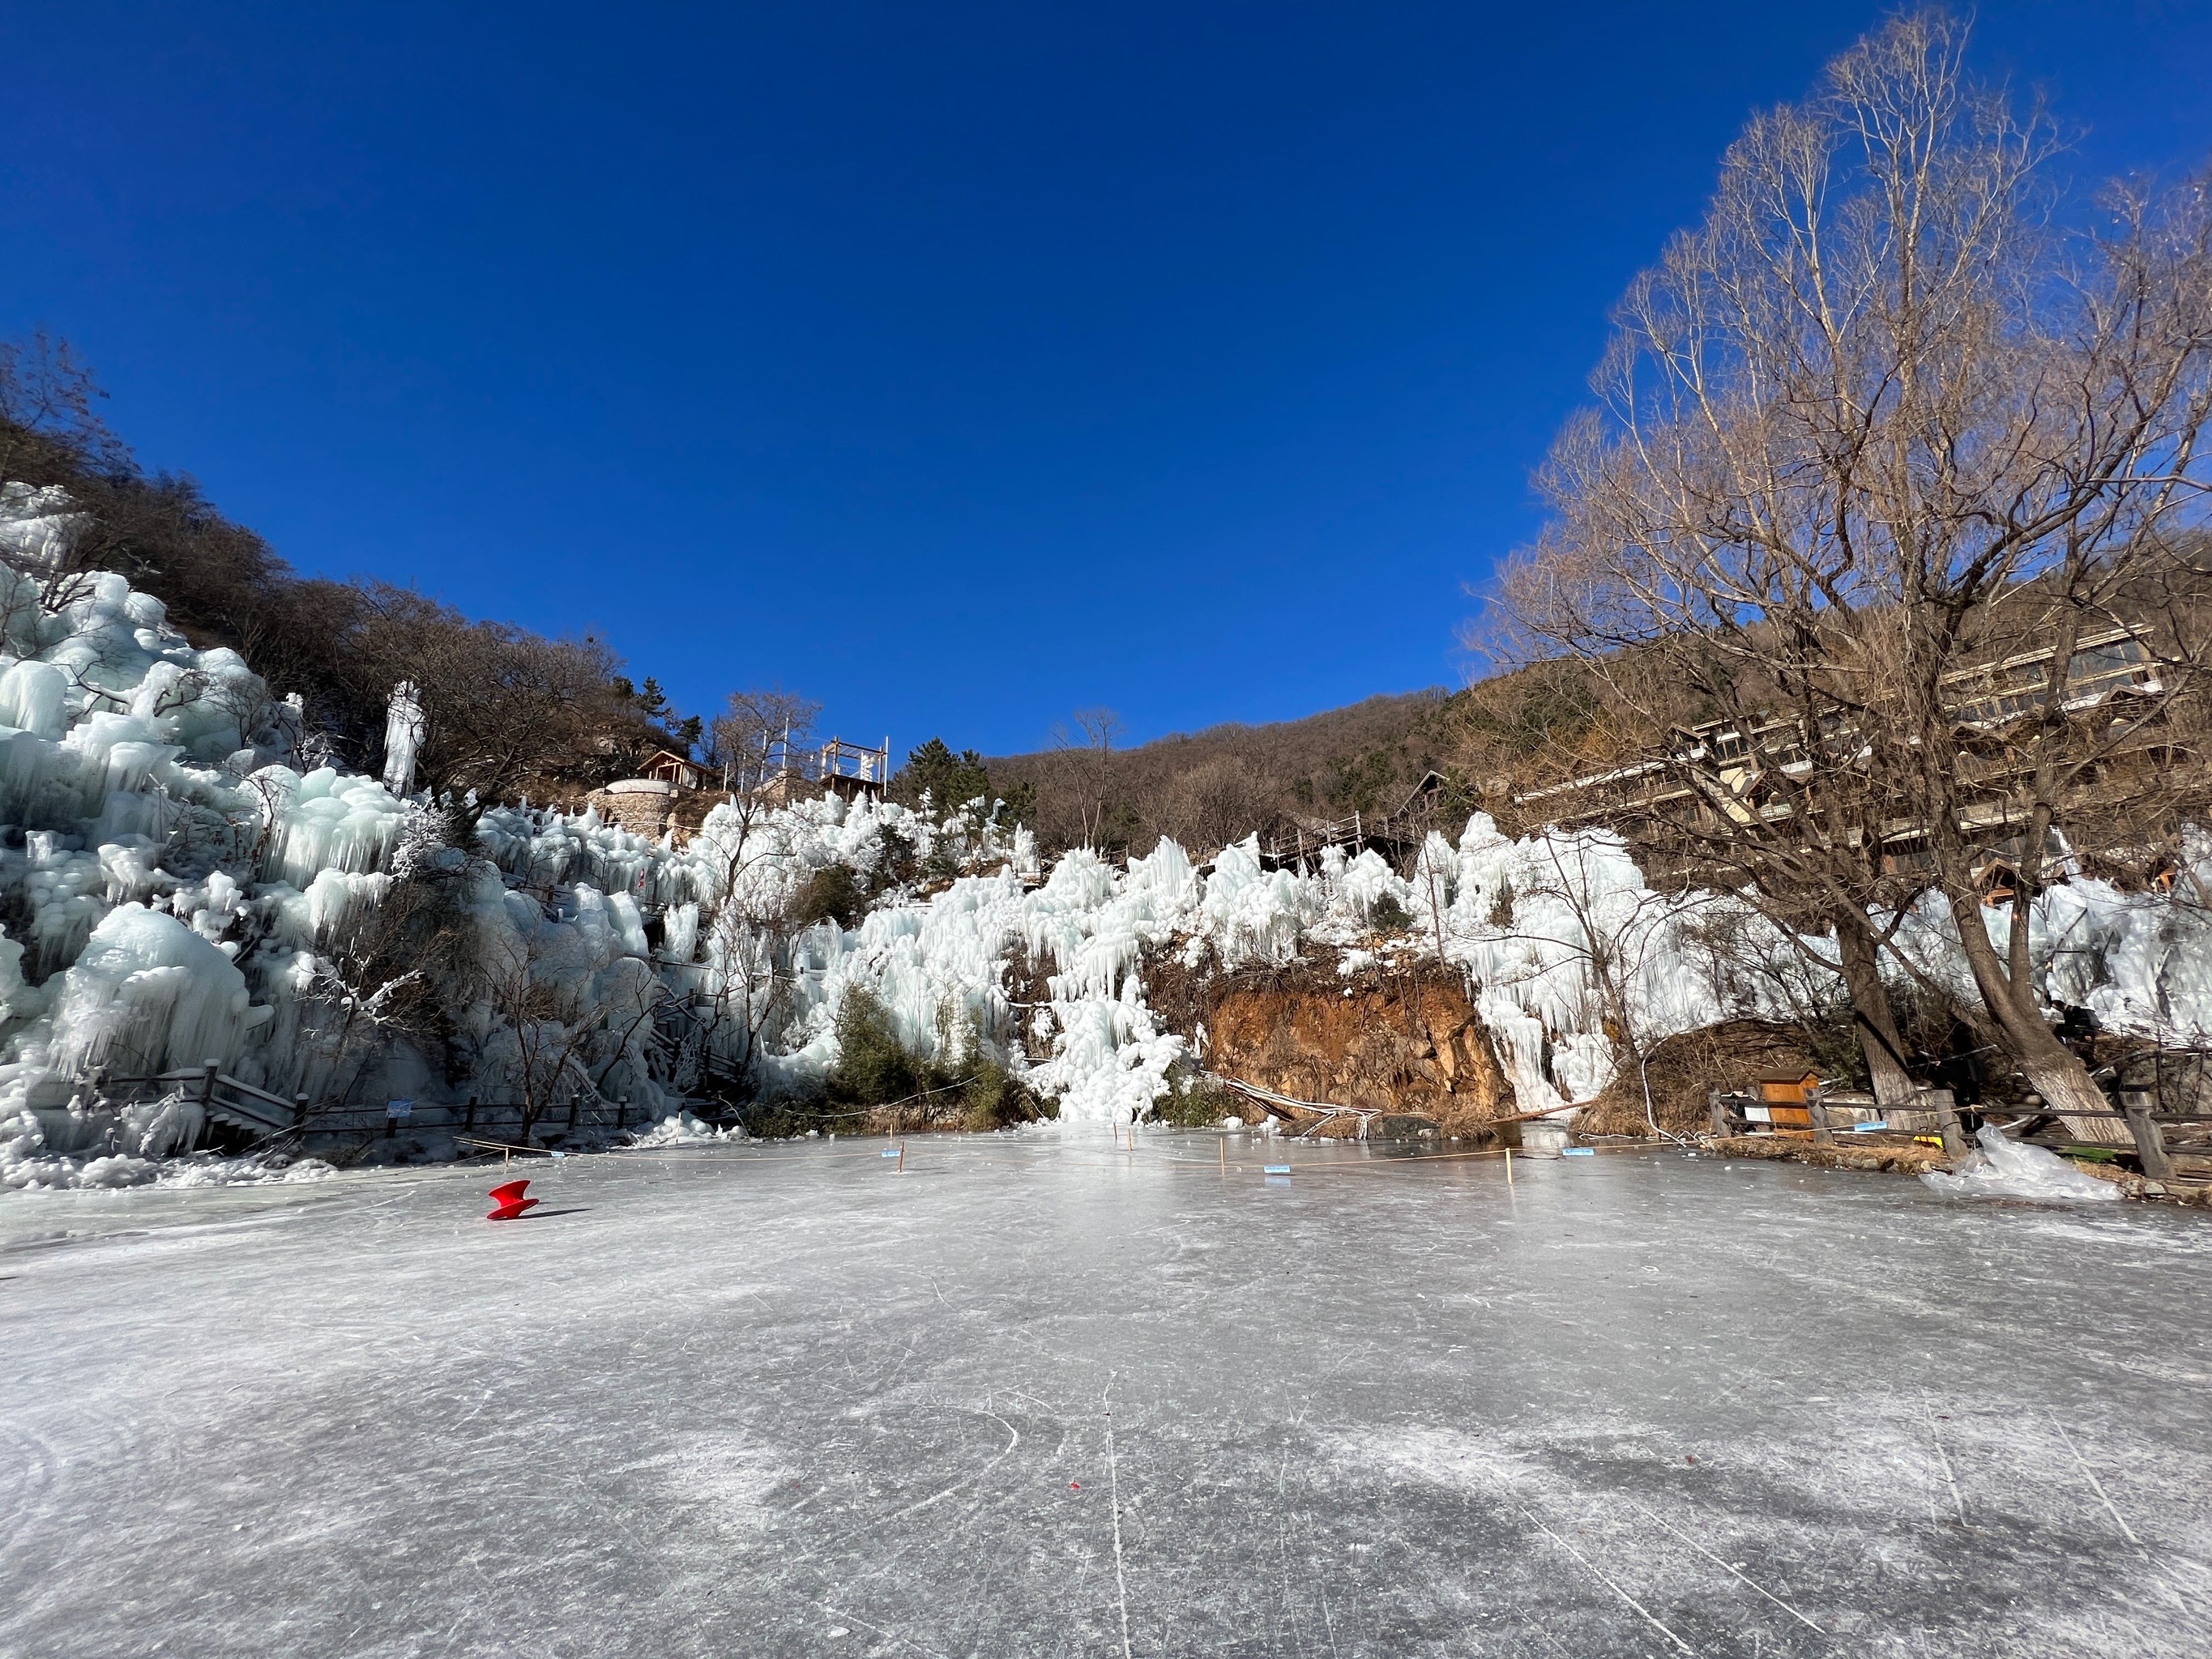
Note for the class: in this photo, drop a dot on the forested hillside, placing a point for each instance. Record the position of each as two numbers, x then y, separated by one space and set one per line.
509 711
1227 781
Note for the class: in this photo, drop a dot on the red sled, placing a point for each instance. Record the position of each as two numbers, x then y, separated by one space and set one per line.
510 1200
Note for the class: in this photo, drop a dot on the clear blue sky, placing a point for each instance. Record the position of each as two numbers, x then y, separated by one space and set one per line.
959 364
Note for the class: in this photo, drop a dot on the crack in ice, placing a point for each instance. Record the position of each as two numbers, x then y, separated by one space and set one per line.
1114 1492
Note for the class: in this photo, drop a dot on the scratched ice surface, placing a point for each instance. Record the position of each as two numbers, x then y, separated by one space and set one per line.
1033 1398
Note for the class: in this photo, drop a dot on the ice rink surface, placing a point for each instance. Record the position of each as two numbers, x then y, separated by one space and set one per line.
1040 1397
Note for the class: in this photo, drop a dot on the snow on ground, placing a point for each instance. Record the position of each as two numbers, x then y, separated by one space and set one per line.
1038 1397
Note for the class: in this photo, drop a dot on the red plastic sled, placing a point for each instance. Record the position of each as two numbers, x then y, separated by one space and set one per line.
510 1200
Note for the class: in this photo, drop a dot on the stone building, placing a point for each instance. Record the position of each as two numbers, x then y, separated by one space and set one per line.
673 791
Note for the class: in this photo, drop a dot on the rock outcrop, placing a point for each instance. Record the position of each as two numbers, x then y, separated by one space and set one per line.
1383 1040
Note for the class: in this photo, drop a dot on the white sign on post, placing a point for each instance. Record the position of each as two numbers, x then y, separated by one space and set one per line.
399 1107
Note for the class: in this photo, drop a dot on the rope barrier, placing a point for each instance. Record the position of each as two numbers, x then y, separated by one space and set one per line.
1042 1158
1378 1165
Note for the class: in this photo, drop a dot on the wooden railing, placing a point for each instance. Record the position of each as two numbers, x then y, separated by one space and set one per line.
272 1117
222 1096
1750 1113
1392 832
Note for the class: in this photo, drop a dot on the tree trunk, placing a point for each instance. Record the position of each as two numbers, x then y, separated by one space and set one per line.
1872 1016
2052 1070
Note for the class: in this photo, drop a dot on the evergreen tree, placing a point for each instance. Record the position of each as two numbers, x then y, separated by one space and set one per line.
951 780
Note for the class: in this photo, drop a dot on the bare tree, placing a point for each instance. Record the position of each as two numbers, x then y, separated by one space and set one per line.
394 967
505 708
751 931
1877 422
1085 756
1615 935
757 732
360 994
1219 801
753 923
48 400
561 1030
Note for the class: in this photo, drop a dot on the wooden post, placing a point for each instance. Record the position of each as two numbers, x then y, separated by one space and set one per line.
902 1159
298 1111
1946 1122
2150 1144
575 1105
469 1123
1720 1116
1816 1107
207 1091
622 1115
1508 1166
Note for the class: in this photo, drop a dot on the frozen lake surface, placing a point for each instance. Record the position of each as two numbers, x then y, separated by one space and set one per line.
1035 1397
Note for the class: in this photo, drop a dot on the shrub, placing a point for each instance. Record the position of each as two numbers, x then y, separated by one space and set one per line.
900 865
1194 1101
873 1067
786 1120
996 1099
831 894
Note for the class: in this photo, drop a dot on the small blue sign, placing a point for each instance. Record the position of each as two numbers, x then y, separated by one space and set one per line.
890 1151
399 1107
1275 1168
1868 1129
1578 1152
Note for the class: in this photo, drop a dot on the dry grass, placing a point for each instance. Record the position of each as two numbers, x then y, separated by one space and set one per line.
1892 1158
1684 1070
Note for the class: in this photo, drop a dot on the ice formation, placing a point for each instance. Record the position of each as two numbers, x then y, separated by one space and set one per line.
178 884
406 722
682 1129
2142 962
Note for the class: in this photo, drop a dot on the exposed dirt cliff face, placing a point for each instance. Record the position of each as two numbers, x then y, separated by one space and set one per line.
1407 1039
1392 1041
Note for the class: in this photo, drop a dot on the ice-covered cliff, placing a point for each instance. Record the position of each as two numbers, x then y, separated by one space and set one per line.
177 884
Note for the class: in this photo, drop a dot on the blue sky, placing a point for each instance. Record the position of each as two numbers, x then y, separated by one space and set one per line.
958 365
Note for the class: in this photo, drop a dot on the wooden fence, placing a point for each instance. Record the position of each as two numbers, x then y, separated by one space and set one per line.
270 1118
1937 1112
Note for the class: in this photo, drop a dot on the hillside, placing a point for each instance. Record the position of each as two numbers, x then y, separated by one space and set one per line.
508 712
1210 787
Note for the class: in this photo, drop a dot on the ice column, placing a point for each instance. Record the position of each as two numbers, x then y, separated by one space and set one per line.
403 737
